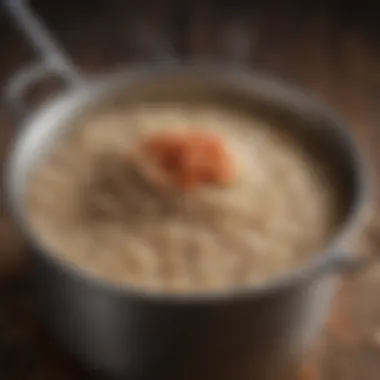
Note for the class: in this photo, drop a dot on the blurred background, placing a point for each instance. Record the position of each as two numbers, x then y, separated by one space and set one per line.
331 48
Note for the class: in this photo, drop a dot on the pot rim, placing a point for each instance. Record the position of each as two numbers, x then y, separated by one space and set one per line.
323 261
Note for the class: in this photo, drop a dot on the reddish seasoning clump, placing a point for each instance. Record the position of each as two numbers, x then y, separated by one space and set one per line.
190 160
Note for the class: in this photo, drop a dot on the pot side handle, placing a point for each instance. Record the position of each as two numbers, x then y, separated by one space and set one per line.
357 264
53 62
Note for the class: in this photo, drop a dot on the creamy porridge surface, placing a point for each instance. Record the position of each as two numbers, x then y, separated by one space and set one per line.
89 205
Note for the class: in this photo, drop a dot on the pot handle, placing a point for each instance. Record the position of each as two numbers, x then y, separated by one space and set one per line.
351 264
53 63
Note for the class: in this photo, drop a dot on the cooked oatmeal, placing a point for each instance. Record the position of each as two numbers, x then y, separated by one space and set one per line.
113 199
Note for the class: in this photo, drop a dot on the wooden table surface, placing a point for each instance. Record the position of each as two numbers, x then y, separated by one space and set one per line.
328 48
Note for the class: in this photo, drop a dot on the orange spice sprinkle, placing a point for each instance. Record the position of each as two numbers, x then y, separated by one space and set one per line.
191 160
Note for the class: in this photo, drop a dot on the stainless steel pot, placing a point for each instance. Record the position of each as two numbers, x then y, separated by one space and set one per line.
260 332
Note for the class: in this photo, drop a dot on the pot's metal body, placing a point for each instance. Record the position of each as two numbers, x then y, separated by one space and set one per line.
131 337
253 333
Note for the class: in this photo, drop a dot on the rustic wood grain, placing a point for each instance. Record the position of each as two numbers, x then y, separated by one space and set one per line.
329 48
